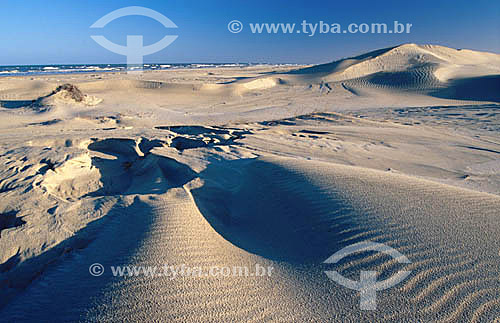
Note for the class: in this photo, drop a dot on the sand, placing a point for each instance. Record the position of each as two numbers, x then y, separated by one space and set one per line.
272 165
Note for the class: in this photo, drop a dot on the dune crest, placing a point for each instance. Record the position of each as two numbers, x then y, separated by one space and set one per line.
422 69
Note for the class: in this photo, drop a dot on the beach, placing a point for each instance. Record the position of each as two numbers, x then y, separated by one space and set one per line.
238 165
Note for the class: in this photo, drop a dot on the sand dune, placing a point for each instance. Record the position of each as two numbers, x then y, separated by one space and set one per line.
418 74
271 165
420 68
320 208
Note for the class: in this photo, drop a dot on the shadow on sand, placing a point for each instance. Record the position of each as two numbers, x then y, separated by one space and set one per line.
484 88
275 212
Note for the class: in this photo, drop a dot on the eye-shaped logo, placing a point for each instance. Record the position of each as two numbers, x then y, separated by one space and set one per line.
135 50
368 284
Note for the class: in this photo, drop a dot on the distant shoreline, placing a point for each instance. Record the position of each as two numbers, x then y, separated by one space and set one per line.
54 69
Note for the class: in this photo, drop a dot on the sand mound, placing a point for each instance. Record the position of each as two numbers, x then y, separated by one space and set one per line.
425 69
70 94
64 94
447 63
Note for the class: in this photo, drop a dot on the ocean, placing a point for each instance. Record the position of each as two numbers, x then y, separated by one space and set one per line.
21 70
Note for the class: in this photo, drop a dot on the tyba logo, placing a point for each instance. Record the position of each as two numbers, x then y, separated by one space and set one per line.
135 49
367 284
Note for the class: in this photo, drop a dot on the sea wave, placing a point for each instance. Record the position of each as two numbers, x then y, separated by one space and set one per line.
21 70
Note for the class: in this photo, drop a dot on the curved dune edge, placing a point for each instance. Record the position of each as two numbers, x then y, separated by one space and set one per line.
322 207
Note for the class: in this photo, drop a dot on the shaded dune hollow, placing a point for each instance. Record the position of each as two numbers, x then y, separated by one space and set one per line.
301 212
271 211
304 210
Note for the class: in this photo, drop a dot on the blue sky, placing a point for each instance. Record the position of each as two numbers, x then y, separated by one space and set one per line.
52 32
